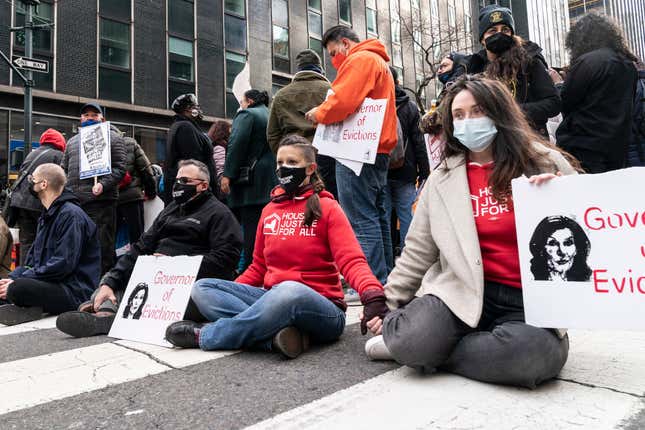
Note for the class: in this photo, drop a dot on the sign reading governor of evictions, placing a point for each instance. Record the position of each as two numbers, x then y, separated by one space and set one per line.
156 296
581 241
95 158
357 137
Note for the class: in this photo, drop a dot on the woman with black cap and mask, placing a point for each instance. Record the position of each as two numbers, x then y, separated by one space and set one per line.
517 63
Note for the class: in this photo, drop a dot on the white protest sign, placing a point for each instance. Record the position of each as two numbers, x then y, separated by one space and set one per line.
435 146
357 137
151 209
95 158
157 295
581 242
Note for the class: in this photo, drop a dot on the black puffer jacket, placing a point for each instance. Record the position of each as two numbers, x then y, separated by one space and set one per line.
533 89
186 141
203 226
140 170
21 197
83 188
416 156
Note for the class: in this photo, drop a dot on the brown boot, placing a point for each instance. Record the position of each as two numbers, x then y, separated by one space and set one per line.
290 342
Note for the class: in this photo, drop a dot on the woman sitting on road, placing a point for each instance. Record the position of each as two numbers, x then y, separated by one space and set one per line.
291 292
462 258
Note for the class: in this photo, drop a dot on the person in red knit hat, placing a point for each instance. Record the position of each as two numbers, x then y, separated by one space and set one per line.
52 146
291 293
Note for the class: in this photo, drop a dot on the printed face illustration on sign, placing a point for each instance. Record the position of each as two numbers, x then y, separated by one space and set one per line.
560 249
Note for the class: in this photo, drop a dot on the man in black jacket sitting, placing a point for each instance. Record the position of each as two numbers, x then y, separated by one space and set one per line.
195 223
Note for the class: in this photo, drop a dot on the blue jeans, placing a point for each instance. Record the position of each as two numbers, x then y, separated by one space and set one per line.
363 198
400 197
249 317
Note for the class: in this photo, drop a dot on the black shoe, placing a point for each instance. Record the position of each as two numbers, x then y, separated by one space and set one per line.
85 324
12 314
183 333
290 342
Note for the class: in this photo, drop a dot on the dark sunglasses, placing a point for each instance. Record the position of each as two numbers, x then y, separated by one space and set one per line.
186 180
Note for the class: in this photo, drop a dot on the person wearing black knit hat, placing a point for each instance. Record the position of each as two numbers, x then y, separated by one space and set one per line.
516 62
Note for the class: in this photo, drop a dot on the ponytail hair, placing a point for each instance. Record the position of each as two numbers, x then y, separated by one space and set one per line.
257 97
313 210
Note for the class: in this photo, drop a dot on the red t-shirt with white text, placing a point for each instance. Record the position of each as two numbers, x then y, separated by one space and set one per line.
495 224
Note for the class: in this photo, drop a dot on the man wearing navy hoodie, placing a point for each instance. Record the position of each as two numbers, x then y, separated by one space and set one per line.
62 265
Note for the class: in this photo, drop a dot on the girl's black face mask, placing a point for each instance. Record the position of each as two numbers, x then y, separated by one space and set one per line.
291 178
499 43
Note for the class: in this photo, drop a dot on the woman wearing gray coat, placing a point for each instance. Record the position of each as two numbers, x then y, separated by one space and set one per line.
461 259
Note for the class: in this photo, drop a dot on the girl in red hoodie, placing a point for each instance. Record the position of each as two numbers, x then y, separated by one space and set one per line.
292 291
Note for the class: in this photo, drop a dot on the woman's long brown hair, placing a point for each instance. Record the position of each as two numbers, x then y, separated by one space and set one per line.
513 152
313 210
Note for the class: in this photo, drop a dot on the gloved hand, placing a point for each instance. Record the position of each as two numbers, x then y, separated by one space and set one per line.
373 306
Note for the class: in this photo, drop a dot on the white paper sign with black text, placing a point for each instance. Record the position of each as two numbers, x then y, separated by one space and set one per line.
95 153
157 295
582 250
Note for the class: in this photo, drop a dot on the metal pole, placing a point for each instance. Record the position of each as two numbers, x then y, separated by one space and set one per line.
29 16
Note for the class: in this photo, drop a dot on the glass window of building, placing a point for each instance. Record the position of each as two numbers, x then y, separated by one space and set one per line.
345 11
236 7
280 16
395 30
235 39
180 18
468 19
114 51
315 25
235 31
42 41
452 15
371 17
153 142
181 48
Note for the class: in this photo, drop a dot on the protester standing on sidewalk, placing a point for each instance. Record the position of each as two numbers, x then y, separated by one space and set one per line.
138 178
362 72
249 172
307 90
186 141
291 292
52 145
598 95
517 63
98 198
63 264
463 266
402 182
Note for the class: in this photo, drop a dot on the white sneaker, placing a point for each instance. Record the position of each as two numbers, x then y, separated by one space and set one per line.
376 350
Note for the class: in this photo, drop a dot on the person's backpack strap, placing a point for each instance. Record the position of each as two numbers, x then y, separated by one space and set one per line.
29 170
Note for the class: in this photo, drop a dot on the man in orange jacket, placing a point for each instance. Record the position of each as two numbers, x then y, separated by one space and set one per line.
362 72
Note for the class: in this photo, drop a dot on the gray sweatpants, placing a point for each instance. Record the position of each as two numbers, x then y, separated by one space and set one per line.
503 349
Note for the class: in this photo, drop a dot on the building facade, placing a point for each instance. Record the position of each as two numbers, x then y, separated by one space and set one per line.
136 56
629 13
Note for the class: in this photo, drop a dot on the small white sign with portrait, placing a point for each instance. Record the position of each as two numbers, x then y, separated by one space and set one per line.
582 250
157 295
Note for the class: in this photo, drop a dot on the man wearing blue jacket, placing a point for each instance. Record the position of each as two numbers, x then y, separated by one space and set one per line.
64 262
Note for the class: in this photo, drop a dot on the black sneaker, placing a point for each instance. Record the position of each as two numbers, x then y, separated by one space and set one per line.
85 324
290 342
12 314
183 333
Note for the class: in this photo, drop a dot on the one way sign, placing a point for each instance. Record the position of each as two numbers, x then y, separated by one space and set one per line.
26 63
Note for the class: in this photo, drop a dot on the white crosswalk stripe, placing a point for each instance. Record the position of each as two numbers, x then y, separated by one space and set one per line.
601 387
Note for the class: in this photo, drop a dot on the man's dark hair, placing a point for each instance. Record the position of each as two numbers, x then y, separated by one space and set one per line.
395 75
594 31
338 32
